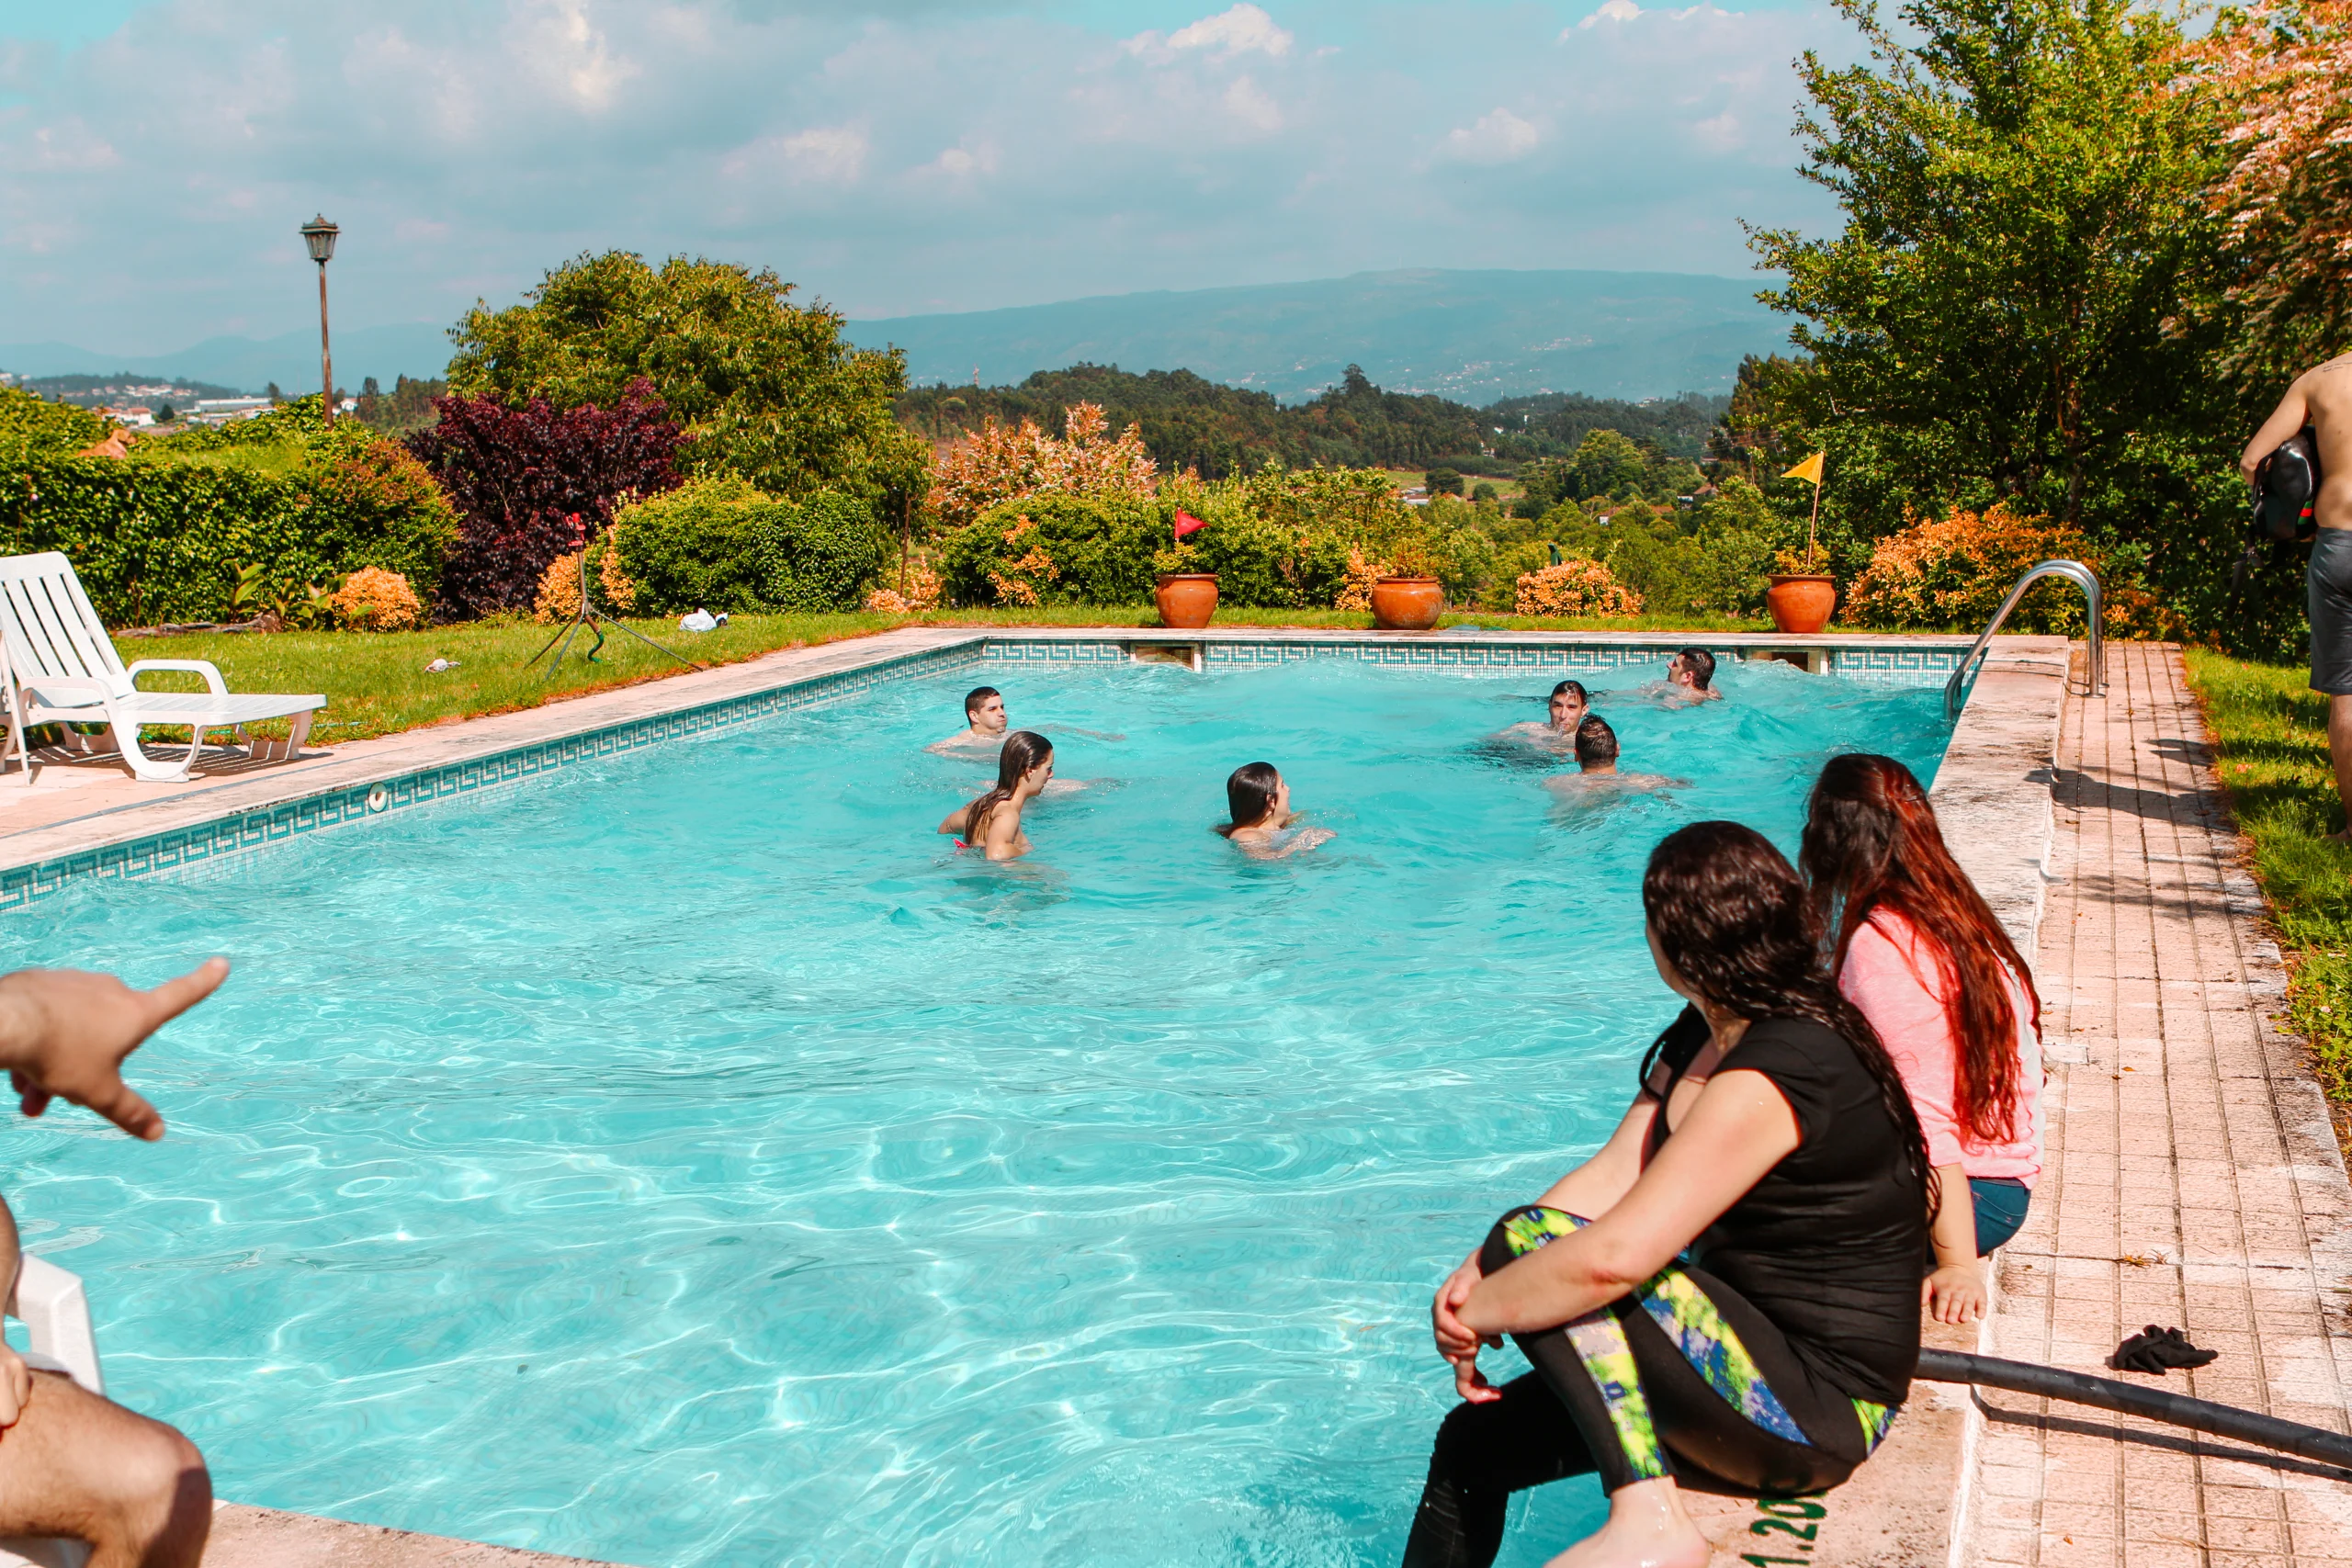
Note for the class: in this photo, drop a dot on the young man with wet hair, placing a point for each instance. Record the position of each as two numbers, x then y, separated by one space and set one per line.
1597 777
1693 670
2321 399
984 722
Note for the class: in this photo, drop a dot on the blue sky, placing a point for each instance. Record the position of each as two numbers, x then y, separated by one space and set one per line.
891 158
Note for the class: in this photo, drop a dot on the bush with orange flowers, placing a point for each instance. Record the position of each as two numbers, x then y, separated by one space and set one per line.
1576 588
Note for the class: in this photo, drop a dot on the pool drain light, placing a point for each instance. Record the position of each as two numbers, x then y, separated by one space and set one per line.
378 798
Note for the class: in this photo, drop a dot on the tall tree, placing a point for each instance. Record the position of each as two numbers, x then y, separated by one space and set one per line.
2018 306
764 388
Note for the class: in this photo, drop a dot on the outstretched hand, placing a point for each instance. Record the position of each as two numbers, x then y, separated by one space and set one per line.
64 1032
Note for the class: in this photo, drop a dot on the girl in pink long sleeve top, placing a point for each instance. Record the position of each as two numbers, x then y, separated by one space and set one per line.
1919 952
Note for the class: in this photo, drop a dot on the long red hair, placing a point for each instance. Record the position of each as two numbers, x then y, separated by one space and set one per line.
1871 842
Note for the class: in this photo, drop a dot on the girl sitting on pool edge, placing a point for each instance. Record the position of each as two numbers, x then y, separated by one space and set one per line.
1259 804
992 824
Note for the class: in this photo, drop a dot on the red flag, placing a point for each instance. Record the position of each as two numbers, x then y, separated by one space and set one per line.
1188 523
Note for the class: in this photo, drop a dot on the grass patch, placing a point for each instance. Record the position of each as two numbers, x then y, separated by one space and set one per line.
376 684
2270 748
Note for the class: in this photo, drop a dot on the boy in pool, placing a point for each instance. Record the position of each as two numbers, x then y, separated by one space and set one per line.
1570 703
984 722
1597 777
1690 681
1258 801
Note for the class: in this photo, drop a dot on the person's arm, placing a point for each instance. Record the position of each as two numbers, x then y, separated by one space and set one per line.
2293 413
1004 831
1897 986
64 1032
1739 1128
1955 1291
954 822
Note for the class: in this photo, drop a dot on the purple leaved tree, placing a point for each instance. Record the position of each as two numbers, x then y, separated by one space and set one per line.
534 483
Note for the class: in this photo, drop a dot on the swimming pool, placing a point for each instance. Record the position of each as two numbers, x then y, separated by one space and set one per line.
685 1160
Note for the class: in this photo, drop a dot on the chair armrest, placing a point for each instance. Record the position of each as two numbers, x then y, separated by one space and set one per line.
203 667
49 1301
64 692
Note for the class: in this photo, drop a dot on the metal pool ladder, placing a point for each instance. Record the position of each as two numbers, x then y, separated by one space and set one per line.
2094 667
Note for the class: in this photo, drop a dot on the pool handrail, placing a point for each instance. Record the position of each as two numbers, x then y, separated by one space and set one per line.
2094 666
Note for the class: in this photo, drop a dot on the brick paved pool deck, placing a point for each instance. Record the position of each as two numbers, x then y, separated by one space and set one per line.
2192 1176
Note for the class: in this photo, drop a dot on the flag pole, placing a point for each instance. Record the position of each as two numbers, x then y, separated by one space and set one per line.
1812 525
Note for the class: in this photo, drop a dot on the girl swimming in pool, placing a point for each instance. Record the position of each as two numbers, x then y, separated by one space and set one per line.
992 823
1259 803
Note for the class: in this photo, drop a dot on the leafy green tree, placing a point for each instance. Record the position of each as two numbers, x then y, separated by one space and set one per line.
1605 464
767 389
1442 481
2019 296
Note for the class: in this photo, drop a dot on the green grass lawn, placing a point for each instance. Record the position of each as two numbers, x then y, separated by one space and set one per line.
2271 744
376 684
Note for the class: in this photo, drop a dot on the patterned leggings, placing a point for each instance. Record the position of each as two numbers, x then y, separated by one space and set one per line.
1682 1369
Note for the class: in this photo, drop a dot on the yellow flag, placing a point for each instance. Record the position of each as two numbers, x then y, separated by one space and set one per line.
1808 470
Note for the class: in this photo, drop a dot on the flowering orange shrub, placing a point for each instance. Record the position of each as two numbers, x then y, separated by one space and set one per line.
1574 588
374 600
1954 572
923 594
997 465
1019 582
558 593
1355 589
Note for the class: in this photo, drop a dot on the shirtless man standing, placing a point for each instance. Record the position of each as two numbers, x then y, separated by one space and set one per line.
2322 399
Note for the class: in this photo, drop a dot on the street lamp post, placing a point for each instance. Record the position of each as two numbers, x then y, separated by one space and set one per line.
319 234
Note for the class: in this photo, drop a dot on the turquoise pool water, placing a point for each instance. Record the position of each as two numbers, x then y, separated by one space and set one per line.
685 1160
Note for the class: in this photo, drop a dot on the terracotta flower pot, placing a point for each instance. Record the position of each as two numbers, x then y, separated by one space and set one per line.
1406 603
1800 605
1187 599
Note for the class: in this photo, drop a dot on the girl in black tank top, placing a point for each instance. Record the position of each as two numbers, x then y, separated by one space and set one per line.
1771 1174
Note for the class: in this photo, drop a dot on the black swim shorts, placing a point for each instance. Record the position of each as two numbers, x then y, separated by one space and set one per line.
2330 581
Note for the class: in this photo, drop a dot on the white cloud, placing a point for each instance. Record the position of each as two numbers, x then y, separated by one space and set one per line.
573 47
1610 10
1499 136
1248 103
1719 134
834 152
1243 29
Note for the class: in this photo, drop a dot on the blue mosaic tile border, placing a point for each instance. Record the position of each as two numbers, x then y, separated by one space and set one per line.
1873 666
185 846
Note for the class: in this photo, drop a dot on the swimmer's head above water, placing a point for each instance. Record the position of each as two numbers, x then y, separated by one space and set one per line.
1569 701
1694 668
1255 798
1595 746
984 710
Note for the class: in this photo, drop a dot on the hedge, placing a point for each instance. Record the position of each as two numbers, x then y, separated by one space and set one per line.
720 543
158 539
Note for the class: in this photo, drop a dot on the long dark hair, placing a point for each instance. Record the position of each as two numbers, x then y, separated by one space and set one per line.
1731 916
1871 842
1249 795
1023 749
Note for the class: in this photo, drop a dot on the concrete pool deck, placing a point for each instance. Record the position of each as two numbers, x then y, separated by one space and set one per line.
2192 1175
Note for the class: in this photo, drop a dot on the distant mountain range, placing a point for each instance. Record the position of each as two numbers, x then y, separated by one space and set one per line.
1471 336
416 349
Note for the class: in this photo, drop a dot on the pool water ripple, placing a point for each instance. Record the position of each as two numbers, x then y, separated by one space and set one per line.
686 1159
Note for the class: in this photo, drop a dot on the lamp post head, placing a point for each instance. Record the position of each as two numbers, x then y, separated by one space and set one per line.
319 234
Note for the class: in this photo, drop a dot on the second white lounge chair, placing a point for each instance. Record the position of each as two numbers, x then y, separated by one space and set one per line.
62 669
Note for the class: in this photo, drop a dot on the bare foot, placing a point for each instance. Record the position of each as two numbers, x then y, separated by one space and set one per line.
1647 1529
2341 836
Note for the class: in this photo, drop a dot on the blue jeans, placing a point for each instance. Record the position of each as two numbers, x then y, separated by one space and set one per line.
2000 1209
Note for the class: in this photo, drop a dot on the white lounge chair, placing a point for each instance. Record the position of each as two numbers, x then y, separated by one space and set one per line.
63 670
49 1301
